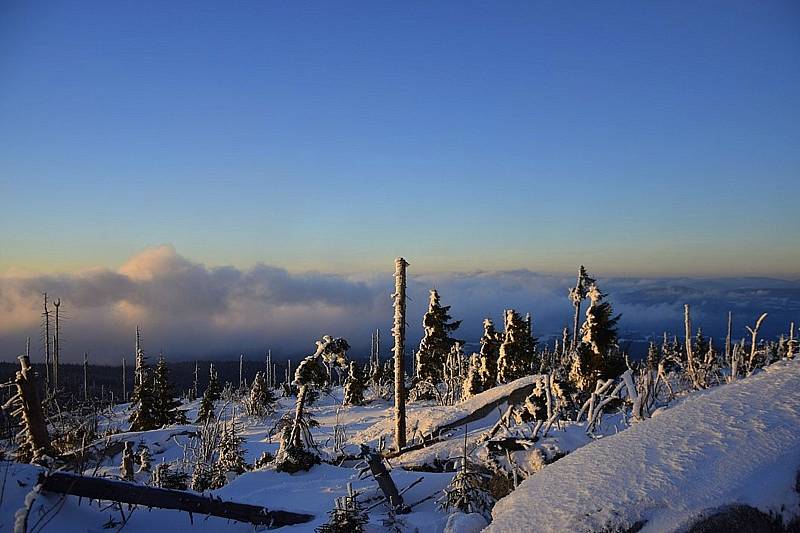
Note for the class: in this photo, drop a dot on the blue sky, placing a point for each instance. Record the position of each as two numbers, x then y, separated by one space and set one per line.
652 138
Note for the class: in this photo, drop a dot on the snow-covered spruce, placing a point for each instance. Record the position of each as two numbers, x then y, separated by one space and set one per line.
354 386
436 342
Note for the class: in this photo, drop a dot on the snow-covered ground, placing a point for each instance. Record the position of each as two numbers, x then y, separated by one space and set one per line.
734 444
722 446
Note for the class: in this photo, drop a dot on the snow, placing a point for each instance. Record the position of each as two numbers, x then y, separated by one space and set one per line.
429 419
734 444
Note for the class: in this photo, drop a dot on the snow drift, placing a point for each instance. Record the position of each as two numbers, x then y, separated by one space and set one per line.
737 444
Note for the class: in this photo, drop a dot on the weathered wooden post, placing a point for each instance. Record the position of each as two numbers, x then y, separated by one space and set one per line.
399 332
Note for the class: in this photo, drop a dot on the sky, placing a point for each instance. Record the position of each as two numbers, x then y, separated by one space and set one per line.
265 147
652 138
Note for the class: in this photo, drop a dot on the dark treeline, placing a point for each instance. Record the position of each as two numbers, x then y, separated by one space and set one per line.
105 380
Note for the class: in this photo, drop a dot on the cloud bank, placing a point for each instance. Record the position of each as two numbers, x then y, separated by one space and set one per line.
189 310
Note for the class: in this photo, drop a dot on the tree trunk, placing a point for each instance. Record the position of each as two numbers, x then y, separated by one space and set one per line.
121 491
32 413
399 331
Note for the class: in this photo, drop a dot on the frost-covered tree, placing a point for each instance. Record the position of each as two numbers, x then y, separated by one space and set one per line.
491 340
126 470
600 328
231 454
261 400
436 342
143 456
212 394
577 294
597 356
293 454
473 383
354 386
518 349
347 516
166 406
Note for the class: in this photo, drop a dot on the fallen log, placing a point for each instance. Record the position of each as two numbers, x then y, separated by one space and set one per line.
124 492
514 396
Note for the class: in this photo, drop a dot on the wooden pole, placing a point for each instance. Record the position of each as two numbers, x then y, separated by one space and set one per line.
399 332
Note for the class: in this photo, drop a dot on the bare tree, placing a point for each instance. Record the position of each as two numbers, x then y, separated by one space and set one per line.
56 350
399 332
754 343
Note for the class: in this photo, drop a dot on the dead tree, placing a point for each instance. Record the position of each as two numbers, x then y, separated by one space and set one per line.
728 337
124 383
792 346
121 491
691 365
754 342
46 315
85 376
399 331
384 479
34 439
56 350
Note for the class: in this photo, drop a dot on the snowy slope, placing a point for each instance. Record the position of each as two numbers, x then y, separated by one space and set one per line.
737 443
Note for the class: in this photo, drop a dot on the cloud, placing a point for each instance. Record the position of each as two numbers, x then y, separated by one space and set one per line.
190 310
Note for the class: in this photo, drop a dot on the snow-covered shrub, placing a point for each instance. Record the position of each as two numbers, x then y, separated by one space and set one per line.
468 492
347 516
167 478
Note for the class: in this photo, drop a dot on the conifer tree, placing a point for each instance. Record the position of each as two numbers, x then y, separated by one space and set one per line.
354 386
490 353
261 401
347 515
473 383
596 356
231 455
211 395
518 349
145 415
166 405
436 343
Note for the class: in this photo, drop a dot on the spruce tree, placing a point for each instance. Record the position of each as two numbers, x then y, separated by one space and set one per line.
596 356
261 401
354 386
166 405
518 349
490 353
436 343
145 415
231 455
211 395
473 383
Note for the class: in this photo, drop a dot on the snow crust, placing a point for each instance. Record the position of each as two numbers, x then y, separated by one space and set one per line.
734 444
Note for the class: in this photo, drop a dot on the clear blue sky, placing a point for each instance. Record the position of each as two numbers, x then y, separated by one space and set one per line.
635 137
